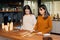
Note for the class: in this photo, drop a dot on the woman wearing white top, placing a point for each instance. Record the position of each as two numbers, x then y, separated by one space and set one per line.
29 19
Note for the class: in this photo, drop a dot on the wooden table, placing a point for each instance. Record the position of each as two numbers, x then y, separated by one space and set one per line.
18 35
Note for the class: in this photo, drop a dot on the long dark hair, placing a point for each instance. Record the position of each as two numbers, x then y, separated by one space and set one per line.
46 11
26 7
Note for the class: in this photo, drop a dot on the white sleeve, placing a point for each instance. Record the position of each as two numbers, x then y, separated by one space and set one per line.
34 20
23 22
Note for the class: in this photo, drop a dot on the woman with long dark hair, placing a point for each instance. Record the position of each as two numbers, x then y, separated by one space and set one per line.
29 19
44 22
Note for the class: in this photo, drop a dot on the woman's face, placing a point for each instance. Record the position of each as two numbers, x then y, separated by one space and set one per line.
27 11
41 11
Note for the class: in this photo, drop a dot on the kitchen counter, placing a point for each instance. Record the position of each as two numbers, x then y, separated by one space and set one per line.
56 27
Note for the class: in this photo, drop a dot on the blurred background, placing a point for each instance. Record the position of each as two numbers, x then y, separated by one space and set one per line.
12 10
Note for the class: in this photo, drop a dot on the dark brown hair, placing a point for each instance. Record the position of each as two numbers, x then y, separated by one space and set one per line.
26 7
46 11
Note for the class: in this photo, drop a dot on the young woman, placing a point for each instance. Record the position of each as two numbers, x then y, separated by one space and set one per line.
44 22
29 19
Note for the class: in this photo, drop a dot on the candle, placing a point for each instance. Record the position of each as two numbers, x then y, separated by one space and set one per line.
6 27
3 26
8 24
11 26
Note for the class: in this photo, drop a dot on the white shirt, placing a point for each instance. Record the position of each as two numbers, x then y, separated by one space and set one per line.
29 22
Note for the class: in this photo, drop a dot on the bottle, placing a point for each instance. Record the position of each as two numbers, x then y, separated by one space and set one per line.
3 9
17 9
58 16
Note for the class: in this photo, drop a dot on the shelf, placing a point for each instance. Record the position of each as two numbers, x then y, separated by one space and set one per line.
10 11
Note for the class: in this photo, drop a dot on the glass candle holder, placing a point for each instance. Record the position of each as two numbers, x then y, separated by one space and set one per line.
11 26
3 26
6 27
